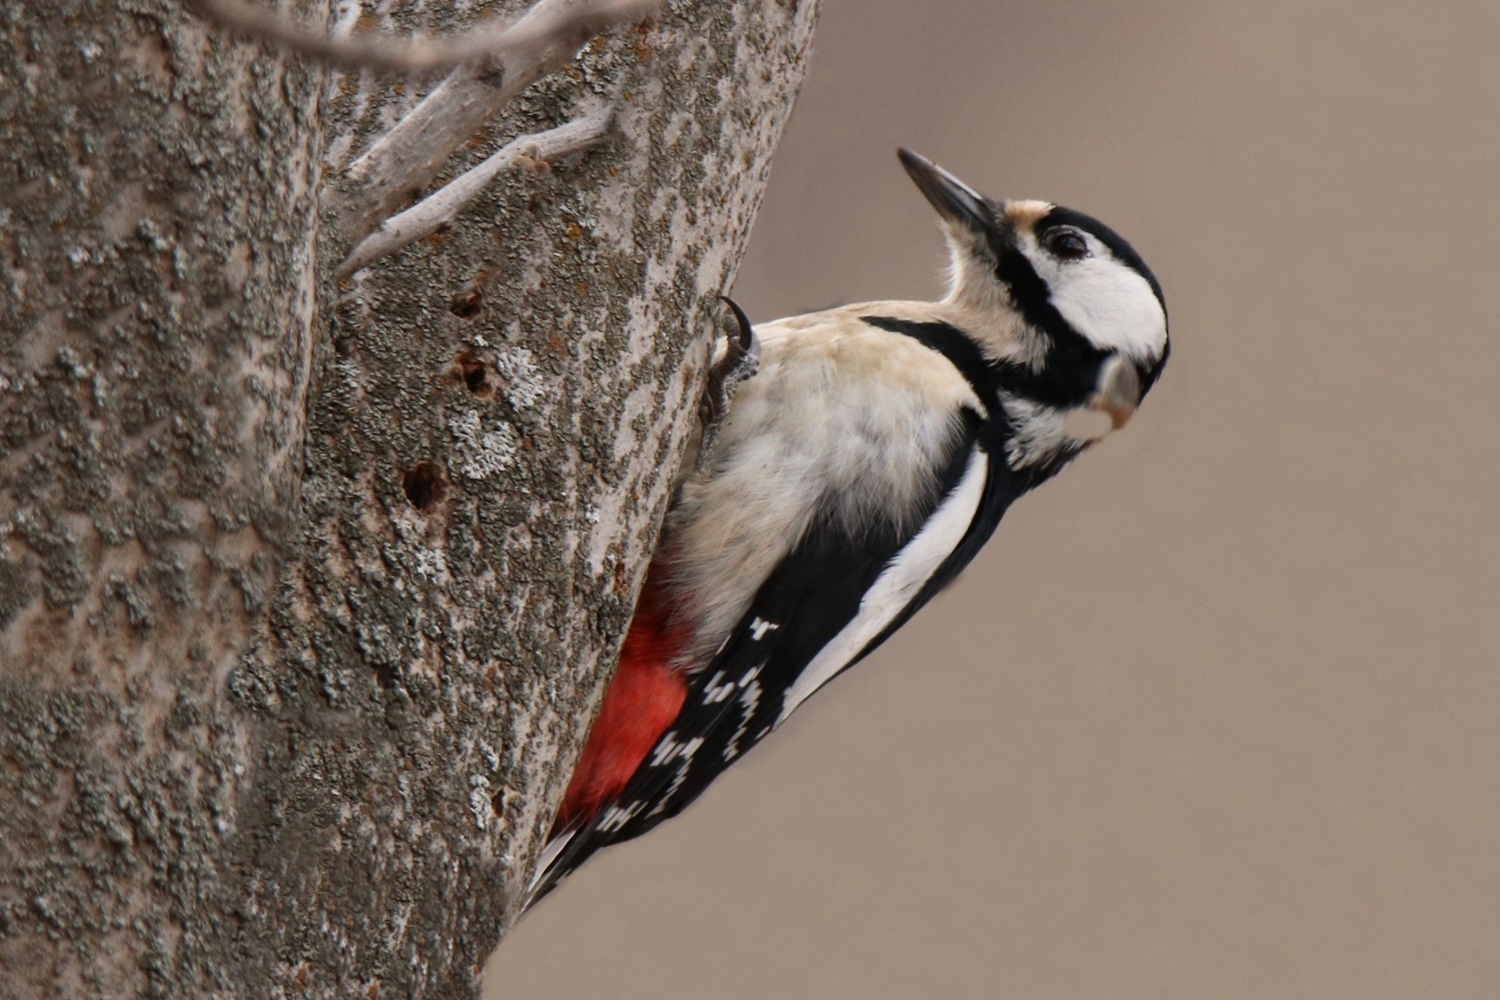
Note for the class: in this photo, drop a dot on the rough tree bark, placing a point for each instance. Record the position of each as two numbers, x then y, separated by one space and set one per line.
308 587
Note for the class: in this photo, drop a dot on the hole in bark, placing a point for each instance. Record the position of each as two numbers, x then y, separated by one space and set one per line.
425 486
475 375
467 303
389 679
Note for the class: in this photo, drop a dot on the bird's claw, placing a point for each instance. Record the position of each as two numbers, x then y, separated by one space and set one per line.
740 361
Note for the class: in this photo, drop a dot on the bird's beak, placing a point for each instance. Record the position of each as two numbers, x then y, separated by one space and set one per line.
953 199
1118 392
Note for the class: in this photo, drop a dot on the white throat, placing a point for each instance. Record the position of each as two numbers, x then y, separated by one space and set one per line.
1043 433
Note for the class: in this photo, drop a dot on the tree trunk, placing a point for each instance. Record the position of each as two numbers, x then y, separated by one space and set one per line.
308 590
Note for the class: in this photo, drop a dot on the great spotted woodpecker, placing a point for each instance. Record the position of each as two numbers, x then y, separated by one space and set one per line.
853 477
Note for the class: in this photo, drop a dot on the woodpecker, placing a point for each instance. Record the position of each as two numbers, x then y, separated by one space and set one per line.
853 477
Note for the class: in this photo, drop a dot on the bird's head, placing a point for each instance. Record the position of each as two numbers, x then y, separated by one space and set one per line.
1057 296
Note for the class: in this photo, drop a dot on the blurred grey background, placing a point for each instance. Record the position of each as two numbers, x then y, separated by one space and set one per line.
1214 715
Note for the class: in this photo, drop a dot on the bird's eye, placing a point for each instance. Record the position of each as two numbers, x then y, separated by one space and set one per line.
1066 244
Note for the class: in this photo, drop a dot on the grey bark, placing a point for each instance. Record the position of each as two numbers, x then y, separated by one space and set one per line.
309 589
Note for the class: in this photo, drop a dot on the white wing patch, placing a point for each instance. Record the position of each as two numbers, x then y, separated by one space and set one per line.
897 584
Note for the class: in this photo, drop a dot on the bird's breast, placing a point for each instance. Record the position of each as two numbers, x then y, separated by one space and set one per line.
843 421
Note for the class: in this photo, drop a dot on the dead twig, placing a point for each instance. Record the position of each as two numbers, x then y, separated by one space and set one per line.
490 66
407 157
494 45
443 205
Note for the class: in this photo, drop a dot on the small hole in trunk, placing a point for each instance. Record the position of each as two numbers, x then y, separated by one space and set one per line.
425 486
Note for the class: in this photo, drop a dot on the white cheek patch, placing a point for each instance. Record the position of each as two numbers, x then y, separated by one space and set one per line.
1111 305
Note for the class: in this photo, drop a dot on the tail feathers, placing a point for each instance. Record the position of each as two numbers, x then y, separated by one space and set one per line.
549 872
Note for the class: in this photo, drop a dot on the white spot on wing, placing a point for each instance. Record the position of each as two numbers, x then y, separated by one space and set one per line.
666 749
670 790
749 703
715 692
759 626
616 817
897 584
682 752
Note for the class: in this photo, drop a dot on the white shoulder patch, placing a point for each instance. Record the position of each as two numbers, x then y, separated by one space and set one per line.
897 584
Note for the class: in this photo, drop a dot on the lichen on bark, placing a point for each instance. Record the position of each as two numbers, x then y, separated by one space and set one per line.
156 221
308 590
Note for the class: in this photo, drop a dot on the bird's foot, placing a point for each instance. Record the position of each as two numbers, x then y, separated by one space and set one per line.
741 359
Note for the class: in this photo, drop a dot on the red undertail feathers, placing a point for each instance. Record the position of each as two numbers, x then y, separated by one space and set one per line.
642 702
